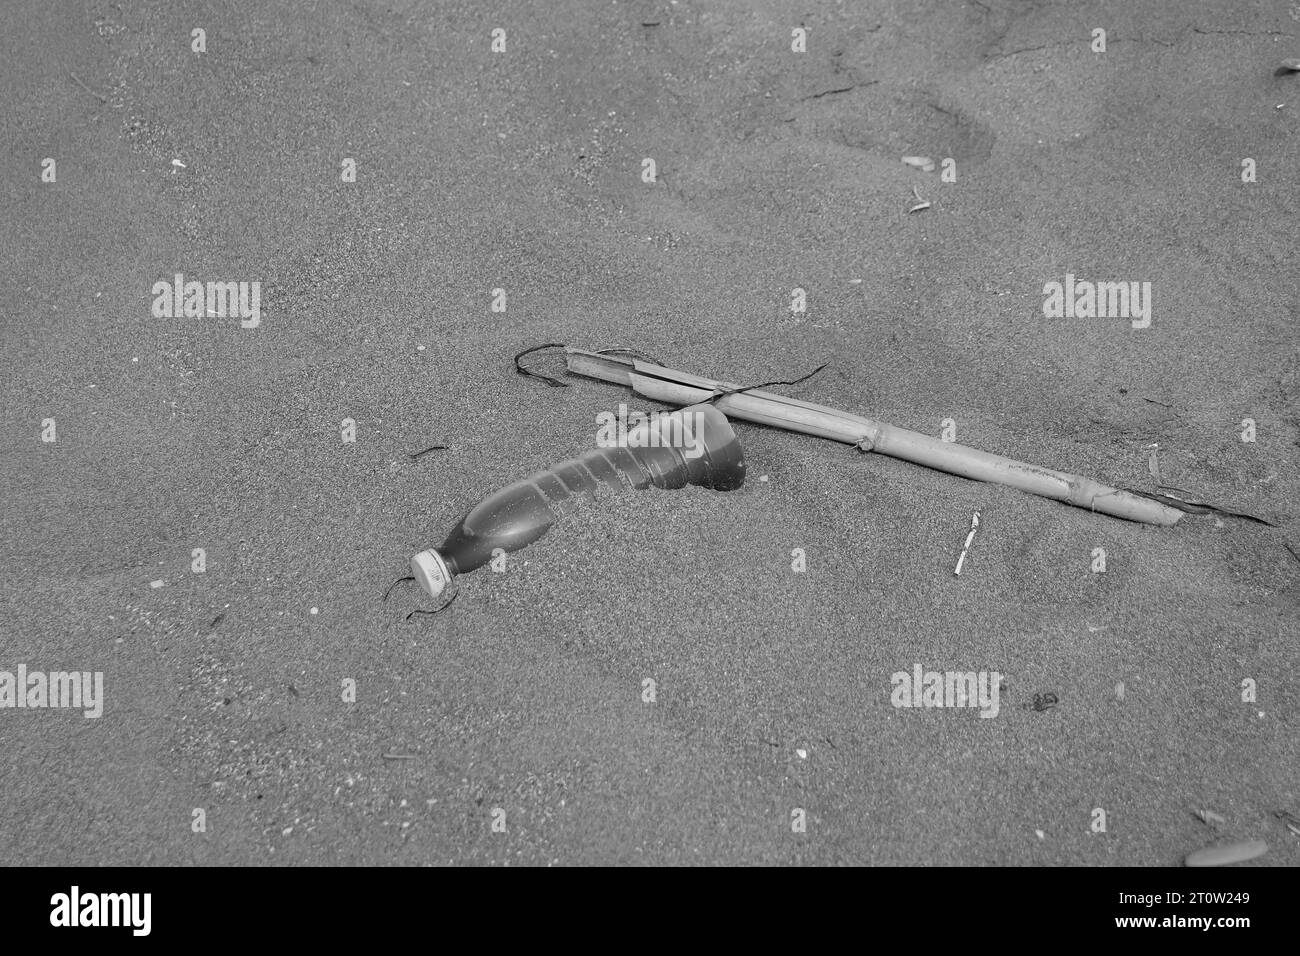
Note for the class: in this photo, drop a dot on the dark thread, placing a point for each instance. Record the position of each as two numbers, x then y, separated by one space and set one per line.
416 454
717 394
409 577
455 592
553 382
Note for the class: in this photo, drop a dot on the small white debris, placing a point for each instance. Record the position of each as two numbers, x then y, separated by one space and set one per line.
177 162
974 526
315 610
286 831
923 163
920 203
135 359
419 348
1119 690
762 477
803 754
1040 834
157 584
855 282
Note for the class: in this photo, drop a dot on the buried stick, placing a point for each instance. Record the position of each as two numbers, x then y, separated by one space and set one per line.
766 408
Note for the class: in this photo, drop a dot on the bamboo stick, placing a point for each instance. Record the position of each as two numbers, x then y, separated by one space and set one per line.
766 408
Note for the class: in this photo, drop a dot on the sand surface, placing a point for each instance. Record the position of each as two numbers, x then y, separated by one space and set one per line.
521 171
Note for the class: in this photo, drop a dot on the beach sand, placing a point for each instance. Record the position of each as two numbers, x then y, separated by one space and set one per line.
522 171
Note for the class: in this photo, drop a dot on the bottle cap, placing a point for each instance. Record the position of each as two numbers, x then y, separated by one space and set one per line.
430 571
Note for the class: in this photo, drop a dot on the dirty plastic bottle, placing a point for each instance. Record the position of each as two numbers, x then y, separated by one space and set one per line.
693 445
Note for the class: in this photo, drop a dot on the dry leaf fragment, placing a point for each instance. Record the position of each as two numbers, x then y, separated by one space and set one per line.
1226 853
923 163
1209 816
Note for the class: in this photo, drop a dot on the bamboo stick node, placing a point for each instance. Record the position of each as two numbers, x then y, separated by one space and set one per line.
767 408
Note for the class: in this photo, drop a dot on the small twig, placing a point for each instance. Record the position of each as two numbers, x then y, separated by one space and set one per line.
1290 819
1028 49
416 454
399 756
1244 33
974 526
77 80
831 92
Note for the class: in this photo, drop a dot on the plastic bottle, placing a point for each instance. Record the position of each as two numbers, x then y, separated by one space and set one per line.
693 445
